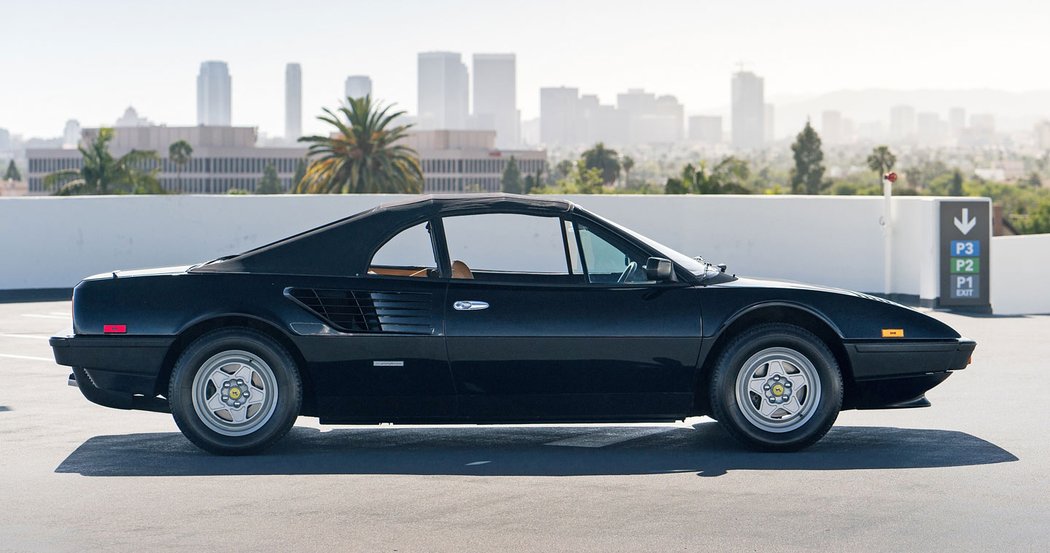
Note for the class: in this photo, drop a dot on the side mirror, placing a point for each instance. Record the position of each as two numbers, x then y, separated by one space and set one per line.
659 269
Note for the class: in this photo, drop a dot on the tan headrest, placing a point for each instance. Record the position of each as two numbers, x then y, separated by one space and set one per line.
460 270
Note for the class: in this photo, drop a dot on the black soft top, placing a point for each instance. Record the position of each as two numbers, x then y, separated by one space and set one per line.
344 247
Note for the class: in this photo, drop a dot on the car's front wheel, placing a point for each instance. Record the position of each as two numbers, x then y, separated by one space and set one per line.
235 391
776 387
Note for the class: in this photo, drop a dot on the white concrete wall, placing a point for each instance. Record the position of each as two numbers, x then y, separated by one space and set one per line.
1020 274
48 242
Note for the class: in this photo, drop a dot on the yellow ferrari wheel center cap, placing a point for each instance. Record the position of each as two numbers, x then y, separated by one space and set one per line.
235 393
778 390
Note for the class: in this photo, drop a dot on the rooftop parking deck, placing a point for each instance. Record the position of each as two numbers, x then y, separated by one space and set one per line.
967 474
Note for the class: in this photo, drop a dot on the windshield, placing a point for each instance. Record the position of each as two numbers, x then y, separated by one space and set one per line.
691 264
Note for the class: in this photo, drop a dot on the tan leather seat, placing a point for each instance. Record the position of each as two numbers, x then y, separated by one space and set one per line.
460 270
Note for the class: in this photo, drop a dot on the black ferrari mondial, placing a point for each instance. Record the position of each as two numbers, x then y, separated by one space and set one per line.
490 309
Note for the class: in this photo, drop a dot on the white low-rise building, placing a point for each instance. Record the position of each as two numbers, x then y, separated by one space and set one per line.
468 161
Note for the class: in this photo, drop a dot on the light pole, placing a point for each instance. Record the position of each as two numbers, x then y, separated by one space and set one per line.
887 232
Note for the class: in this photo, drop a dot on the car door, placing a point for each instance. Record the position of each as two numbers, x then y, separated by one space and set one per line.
532 336
382 356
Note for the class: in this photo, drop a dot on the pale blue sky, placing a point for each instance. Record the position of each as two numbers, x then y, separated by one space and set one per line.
90 59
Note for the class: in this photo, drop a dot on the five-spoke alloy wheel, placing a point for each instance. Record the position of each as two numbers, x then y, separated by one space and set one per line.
235 391
776 387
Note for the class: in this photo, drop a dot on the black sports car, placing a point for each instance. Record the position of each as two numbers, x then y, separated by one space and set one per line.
490 309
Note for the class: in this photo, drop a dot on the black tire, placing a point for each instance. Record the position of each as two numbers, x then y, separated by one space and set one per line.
283 410
740 353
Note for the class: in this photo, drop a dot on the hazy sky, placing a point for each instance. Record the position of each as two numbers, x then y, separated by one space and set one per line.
90 59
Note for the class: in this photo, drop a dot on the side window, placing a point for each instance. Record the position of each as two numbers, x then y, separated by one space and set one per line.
504 243
409 253
607 263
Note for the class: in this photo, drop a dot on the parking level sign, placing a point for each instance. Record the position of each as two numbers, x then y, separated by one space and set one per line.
965 234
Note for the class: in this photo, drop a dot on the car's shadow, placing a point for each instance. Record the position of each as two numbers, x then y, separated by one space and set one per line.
704 449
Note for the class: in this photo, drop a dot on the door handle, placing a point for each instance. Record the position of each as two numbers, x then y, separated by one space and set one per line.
469 305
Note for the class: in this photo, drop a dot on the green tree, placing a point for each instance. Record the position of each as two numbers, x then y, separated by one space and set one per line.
300 172
180 153
580 180
269 183
628 164
604 160
881 160
808 175
511 181
1036 221
955 185
12 172
563 169
675 185
362 156
101 173
949 184
728 176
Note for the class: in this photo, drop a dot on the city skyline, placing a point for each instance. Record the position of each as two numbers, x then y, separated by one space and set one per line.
790 46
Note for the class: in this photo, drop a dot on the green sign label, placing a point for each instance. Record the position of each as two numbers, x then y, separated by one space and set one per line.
966 265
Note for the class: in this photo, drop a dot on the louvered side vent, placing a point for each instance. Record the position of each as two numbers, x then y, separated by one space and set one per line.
367 311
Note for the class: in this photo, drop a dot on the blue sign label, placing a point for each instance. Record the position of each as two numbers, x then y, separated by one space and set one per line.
966 248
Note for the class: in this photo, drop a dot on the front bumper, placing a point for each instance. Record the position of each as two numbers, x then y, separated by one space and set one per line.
892 374
890 359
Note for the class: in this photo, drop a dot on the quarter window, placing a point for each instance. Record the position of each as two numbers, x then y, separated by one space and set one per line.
409 253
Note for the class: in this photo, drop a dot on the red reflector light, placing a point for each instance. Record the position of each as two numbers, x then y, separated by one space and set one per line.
114 329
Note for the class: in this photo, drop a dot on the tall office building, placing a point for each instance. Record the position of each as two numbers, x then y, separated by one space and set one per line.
831 127
358 86
768 116
71 134
293 102
559 115
443 91
902 122
495 97
748 111
957 120
929 128
213 94
650 119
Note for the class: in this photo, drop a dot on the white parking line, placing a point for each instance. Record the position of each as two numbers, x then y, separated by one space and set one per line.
36 316
29 336
608 436
27 357
59 313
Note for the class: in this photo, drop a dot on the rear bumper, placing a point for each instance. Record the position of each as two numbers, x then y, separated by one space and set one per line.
122 364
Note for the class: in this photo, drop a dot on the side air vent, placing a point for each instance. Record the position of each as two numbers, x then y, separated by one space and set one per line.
368 311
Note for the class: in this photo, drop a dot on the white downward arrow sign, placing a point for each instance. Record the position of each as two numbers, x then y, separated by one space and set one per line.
967 224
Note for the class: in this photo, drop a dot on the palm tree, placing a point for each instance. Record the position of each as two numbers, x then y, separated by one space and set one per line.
881 160
179 153
362 156
628 164
605 160
132 173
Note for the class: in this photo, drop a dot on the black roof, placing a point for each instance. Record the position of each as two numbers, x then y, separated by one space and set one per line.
344 247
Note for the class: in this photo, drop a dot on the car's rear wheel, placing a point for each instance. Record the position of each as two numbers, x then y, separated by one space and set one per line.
776 387
235 391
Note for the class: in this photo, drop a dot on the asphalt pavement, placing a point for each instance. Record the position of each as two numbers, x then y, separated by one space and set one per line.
972 473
